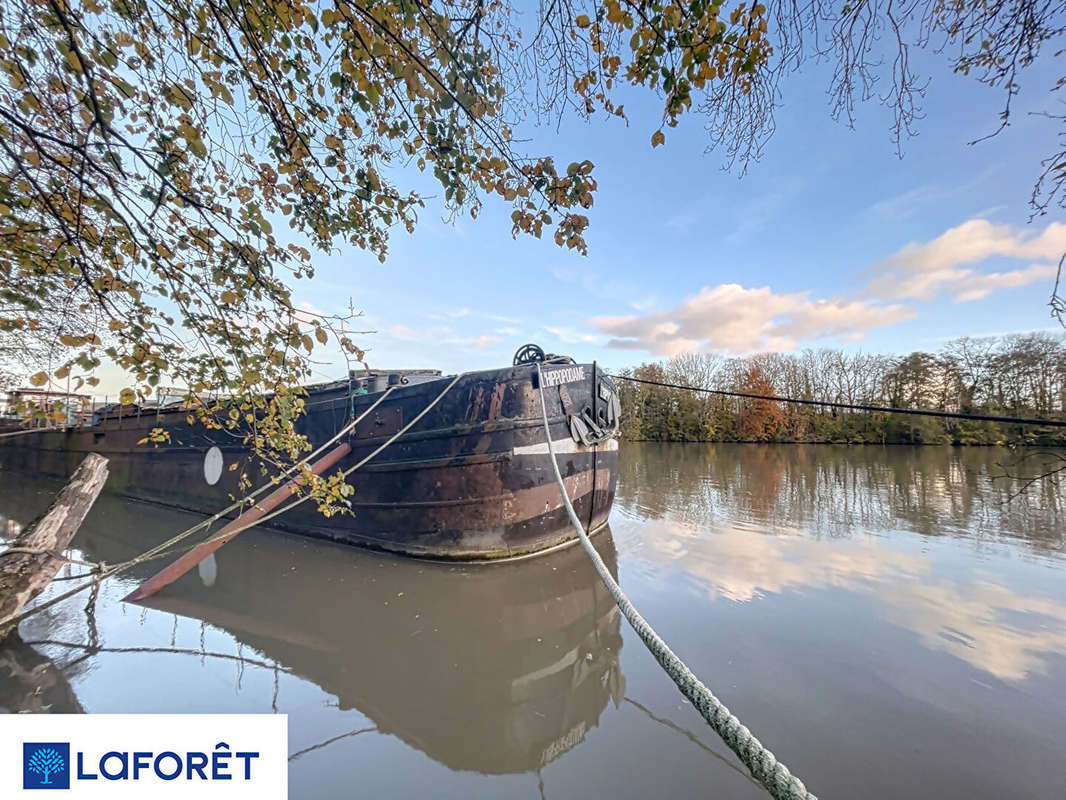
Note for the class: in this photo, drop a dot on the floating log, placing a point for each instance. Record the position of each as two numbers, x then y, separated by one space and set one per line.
36 554
175 570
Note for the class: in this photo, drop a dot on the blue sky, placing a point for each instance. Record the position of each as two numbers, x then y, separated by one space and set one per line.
830 240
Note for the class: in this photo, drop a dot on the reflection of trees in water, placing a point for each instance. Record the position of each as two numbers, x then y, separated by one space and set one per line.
838 491
38 674
31 683
702 508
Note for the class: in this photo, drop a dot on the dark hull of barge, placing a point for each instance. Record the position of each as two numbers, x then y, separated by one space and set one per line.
471 480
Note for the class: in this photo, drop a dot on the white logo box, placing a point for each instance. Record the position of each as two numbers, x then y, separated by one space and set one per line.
143 743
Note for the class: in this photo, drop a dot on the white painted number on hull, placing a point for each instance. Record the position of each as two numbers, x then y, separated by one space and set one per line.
565 375
213 466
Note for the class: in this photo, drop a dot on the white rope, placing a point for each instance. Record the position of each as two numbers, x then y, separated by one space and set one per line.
29 430
39 551
406 427
346 473
765 768
160 550
269 485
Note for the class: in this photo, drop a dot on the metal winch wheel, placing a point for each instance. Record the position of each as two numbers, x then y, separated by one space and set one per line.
528 354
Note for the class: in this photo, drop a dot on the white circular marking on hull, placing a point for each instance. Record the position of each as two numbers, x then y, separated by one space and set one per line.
208 569
213 466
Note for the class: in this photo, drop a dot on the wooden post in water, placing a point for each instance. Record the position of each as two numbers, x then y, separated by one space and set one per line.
175 570
36 555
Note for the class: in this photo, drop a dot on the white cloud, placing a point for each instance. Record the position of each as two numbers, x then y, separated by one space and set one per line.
406 334
905 204
462 313
978 287
571 336
925 271
441 335
918 199
472 341
684 220
735 319
757 214
645 304
609 286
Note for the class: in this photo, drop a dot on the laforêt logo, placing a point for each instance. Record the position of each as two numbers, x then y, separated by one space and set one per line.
46 765
144 756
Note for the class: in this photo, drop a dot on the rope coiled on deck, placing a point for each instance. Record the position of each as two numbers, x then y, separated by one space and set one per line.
765 768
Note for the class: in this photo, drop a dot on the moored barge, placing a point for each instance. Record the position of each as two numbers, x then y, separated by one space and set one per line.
471 480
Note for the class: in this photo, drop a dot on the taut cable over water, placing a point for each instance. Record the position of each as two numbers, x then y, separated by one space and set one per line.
766 769
918 412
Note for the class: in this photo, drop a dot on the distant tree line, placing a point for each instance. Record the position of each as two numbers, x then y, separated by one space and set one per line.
1017 375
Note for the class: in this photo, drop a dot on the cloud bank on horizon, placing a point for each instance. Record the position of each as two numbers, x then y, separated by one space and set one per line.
735 319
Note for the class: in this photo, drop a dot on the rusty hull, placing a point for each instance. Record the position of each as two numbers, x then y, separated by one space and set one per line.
470 481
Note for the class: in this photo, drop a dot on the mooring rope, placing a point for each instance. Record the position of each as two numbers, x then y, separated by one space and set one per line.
30 430
42 551
302 498
764 766
408 426
161 550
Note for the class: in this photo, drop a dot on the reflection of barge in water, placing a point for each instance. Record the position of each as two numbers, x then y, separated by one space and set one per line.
496 671
471 480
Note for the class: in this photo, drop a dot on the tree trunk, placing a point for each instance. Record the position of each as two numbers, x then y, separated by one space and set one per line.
35 556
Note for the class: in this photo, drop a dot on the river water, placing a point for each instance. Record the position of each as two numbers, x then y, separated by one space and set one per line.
889 621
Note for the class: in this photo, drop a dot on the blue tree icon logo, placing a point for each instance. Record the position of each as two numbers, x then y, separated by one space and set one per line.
45 761
44 765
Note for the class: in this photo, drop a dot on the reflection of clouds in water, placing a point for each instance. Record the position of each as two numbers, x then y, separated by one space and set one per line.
989 626
982 623
743 565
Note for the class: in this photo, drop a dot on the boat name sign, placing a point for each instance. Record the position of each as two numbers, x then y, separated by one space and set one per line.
557 377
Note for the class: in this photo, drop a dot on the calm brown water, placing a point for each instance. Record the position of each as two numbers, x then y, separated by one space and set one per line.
878 617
